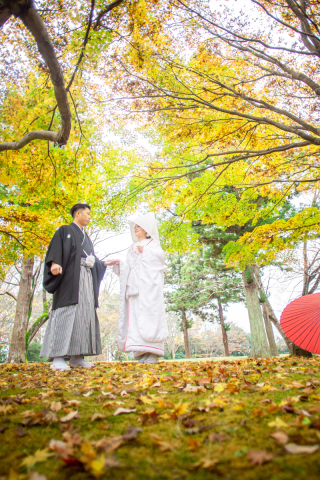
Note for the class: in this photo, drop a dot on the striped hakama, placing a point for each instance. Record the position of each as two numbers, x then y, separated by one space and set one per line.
74 330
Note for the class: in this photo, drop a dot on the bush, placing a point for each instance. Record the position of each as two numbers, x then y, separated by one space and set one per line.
34 352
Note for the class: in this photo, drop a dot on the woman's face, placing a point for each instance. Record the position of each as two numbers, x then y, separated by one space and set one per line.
139 232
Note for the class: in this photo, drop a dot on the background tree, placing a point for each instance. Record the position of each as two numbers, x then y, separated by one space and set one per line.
207 285
176 302
174 333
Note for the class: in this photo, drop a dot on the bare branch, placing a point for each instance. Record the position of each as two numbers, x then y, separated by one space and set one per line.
10 295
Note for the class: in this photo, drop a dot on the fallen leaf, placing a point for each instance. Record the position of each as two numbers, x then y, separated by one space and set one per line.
87 394
97 416
278 423
295 449
205 463
73 402
5 409
295 384
145 400
51 417
157 384
219 387
98 467
38 457
112 404
259 457
109 444
149 416
194 389
193 444
111 462
131 433
88 454
121 410
20 432
204 381
70 416
37 476
217 437
27 413
280 437
55 406
163 445
180 409
60 448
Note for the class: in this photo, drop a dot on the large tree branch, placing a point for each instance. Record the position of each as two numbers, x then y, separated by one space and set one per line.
36 135
32 20
103 12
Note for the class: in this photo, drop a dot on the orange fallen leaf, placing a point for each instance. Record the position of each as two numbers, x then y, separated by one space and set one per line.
193 444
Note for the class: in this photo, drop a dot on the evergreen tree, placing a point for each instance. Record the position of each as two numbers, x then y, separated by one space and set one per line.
202 285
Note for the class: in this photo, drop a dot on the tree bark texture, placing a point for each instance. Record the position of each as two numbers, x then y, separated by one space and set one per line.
24 9
267 323
293 349
185 333
18 339
260 346
224 333
269 313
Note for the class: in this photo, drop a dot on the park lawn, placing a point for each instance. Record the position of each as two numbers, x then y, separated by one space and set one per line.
207 419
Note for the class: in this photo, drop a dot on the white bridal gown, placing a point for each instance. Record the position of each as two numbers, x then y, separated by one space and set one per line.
142 325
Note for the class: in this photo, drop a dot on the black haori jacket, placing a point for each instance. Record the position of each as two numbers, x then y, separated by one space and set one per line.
65 249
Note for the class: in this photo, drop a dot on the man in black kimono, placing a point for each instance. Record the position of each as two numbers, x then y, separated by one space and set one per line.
73 274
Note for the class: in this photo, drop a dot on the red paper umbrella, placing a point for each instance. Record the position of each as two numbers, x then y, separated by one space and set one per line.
300 321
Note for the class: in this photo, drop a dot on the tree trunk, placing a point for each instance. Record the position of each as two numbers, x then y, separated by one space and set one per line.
260 346
293 349
185 334
270 335
18 339
44 300
272 343
224 333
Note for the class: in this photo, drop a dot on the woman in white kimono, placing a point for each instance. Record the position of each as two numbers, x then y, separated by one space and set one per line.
142 326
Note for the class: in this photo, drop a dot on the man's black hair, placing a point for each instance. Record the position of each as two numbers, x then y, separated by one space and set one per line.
78 206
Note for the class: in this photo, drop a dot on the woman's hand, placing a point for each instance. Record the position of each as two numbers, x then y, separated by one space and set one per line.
111 262
140 248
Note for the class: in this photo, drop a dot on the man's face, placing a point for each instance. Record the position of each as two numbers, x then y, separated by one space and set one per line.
83 217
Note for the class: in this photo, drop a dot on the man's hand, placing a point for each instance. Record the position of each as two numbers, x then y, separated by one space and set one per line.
55 269
111 262
140 249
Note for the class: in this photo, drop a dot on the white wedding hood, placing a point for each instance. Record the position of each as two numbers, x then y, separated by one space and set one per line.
148 223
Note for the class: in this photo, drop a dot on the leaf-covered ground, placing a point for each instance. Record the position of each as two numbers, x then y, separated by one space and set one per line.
248 419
